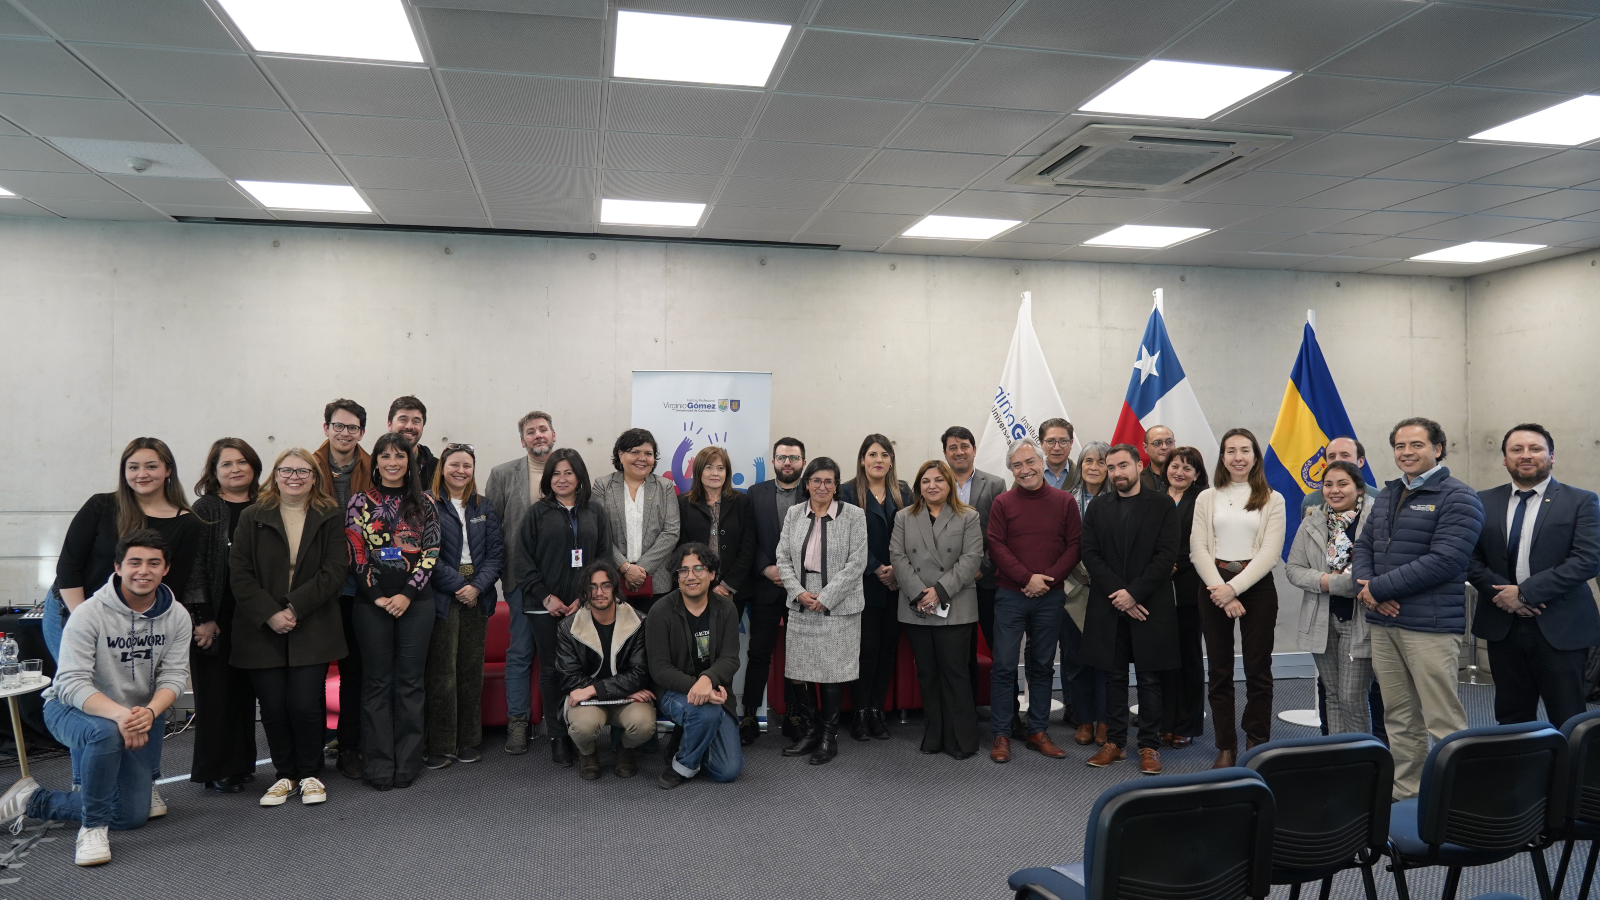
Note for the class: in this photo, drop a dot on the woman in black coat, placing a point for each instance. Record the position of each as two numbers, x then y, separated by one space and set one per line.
1184 688
881 495
715 514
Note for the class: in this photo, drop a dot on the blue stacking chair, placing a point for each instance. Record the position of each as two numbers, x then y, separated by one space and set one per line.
1487 795
1332 796
1206 836
1583 796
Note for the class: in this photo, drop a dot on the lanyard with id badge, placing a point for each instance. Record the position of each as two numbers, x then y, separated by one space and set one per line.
390 554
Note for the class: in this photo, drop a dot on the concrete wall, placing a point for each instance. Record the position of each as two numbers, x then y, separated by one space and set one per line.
192 332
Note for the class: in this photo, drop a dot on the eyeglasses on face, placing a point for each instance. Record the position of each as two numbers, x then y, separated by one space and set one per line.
698 570
1058 442
602 587
290 472
467 447
342 428
788 458
1167 442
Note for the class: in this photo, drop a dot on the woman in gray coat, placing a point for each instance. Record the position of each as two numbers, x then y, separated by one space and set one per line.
1331 628
644 519
822 552
936 549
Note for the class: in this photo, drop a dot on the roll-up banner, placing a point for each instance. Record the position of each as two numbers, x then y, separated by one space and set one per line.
688 411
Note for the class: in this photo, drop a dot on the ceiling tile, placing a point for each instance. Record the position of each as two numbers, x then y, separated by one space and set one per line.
530 145
389 173
1564 64
881 198
1555 233
1046 233
573 227
105 210
1201 215
236 213
1101 26
739 218
1268 188
667 186
183 76
1468 198
667 153
1104 210
999 205
374 136
1293 219
859 242
1275 34
776 193
1369 193
1443 43
995 179
946 18
829 120
1031 79
1009 250
1463 162
1325 102
248 129
1470 228
32 154
1339 264
1387 222
182 191
512 42
1554 205
60 186
748 235
13 22
473 222
812 162
1351 154
1455 112
869 65
1565 169
835 222
966 129
111 120
523 99
1102 254
275 165
673 109
927 247
153 23
576 211
16 206
923 169
449 204
500 181
1257 260
1234 242
166 160
1397 248
45 67
362 89
301 215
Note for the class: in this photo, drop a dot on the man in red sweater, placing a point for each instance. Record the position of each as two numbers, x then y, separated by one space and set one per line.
1033 541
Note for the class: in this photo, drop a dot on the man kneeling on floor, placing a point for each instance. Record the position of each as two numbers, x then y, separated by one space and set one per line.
124 660
600 654
692 642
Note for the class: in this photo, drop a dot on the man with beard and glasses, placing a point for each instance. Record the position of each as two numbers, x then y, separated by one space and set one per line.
771 501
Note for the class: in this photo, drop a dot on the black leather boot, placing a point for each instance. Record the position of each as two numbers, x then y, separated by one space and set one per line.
858 724
803 707
828 748
876 726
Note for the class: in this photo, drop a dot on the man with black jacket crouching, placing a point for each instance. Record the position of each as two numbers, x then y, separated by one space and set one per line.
600 655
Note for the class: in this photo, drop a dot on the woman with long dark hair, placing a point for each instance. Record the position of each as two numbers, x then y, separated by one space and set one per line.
224 702
715 514
880 494
1184 688
1236 539
393 530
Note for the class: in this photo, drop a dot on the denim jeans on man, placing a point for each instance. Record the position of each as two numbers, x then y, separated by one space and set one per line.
116 780
53 624
710 740
519 659
1039 618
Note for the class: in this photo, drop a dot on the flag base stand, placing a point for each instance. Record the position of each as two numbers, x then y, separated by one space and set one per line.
1474 675
1305 718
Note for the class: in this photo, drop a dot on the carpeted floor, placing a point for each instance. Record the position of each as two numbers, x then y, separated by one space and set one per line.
881 821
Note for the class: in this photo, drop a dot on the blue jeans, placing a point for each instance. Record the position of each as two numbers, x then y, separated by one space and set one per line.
54 622
710 738
116 780
1084 685
1039 618
519 659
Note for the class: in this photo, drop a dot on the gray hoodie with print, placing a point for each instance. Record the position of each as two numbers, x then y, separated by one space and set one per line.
109 649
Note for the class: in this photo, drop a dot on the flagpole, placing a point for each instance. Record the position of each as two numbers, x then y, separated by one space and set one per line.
1160 295
1311 319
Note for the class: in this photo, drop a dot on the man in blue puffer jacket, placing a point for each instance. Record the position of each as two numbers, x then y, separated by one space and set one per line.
1411 562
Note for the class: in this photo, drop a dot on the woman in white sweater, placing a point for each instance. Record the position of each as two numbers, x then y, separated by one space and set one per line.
1237 538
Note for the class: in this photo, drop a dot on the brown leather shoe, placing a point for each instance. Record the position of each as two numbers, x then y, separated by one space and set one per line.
1100 733
1251 745
1149 761
1179 742
1084 736
1042 743
1225 759
1001 751
1108 754
1166 739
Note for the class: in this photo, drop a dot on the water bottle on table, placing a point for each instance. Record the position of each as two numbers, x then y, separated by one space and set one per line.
10 674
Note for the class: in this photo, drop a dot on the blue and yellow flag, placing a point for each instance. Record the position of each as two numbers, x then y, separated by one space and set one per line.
1311 415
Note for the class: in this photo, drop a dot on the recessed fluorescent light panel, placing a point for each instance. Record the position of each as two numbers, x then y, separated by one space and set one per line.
1576 121
650 212
308 197
355 29
1149 237
1182 90
1477 252
960 228
704 51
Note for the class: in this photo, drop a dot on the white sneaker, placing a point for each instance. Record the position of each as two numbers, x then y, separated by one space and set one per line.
158 806
14 803
312 791
279 793
94 846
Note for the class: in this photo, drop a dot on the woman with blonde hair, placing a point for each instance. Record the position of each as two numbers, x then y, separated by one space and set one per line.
287 566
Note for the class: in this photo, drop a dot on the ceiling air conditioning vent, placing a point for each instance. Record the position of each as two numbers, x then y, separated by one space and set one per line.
1143 159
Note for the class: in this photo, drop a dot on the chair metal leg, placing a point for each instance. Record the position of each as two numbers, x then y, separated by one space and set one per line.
1367 881
1452 880
1561 867
1327 888
1397 865
1541 873
1588 871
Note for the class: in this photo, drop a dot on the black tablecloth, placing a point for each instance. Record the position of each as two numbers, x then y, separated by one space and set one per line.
29 635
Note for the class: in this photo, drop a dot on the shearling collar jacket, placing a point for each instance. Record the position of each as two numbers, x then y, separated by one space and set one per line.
580 657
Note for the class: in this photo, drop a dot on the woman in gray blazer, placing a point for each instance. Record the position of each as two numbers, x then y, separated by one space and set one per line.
1331 627
644 518
822 552
936 550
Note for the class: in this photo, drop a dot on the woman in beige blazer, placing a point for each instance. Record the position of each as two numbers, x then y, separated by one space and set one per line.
936 549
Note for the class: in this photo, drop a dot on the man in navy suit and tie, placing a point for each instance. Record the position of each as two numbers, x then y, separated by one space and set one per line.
1539 547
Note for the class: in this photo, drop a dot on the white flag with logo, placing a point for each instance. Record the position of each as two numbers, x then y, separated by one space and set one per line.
1025 396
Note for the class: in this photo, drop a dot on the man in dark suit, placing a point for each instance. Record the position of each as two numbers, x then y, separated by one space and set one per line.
1539 547
977 489
771 501
1130 544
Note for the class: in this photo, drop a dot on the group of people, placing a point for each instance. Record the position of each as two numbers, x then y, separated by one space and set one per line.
629 596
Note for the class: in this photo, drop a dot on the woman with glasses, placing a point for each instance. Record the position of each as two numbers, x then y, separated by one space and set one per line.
822 553
471 556
393 529
286 567
643 511
880 494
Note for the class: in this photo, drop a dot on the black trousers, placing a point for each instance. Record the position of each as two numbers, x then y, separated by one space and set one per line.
880 645
545 628
986 623
294 712
766 614
349 681
1255 631
950 719
1184 690
1149 687
224 717
1527 669
394 654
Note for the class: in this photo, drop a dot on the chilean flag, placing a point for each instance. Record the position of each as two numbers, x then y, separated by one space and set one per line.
1159 394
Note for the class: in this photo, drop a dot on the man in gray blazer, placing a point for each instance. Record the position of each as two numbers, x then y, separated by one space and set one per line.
512 488
977 489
